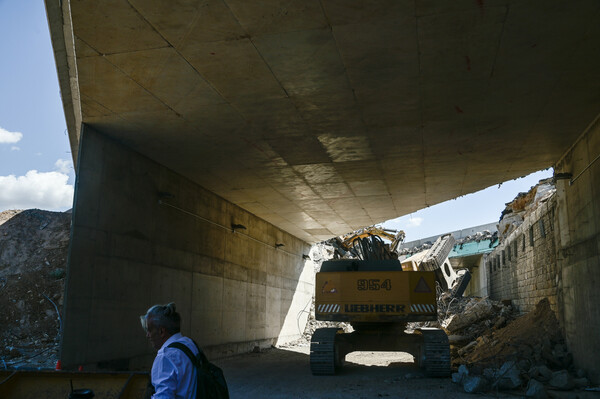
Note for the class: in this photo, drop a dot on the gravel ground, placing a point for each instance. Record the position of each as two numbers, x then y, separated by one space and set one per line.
285 373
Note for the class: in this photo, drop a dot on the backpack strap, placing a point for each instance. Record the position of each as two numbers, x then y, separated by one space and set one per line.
211 382
200 360
203 359
187 351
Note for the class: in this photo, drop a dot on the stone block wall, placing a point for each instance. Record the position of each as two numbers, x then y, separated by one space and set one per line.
523 268
561 261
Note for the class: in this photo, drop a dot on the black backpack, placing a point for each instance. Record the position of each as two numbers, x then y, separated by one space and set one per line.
211 381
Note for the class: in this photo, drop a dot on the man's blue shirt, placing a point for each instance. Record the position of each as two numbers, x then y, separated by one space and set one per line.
173 375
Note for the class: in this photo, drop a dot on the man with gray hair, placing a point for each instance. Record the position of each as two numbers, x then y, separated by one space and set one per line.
173 374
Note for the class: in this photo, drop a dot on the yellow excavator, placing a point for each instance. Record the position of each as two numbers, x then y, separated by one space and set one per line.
377 297
355 245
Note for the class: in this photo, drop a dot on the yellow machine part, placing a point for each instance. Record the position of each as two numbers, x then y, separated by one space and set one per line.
375 296
57 384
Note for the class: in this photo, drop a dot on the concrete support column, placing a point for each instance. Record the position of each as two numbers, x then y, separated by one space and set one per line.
142 235
578 209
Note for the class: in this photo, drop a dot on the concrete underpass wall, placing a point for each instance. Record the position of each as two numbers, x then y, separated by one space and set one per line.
578 211
558 254
234 290
523 268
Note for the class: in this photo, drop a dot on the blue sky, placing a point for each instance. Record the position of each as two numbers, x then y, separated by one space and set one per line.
36 169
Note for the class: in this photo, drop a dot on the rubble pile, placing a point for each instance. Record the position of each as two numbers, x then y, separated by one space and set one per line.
524 203
319 253
414 250
527 353
477 237
467 319
519 338
33 258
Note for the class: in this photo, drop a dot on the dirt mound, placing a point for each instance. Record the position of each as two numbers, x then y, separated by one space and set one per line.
528 355
524 338
33 260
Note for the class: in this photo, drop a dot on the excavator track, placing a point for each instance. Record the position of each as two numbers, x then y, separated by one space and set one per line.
323 351
435 353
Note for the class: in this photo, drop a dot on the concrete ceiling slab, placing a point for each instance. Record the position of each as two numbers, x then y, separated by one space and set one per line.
234 68
113 89
277 16
324 116
184 23
113 26
301 59
346 12
169 77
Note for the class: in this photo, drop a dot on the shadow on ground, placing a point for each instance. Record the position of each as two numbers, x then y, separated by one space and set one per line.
279 373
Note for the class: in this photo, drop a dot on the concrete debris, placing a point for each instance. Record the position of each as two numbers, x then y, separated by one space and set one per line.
475 384
508 377
525 353
531 336
459 377
523 204
406 252
458 339
319 253
467 348
562 380
367 244
477 237
540 373
536 390
415 250
476 309
501 322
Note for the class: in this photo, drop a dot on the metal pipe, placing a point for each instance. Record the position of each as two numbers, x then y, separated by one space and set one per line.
580 173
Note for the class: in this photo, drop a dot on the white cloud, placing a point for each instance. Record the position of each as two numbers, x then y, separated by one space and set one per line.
45 190
415 221
15 148
9 137
63 166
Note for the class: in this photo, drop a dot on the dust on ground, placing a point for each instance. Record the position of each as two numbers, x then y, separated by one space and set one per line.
33 260
285 373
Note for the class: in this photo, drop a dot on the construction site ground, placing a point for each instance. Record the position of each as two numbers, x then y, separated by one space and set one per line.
285 373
